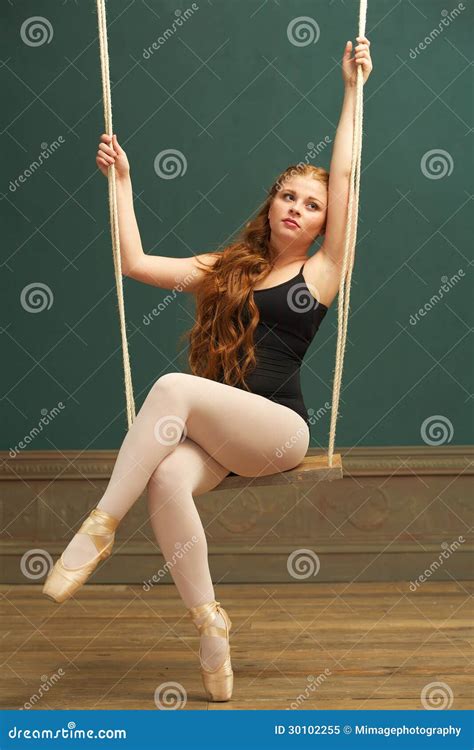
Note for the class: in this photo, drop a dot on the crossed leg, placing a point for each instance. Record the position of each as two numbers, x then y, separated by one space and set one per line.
188 435
243 432
186 473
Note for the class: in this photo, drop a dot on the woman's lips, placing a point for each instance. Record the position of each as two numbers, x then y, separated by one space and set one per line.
290 223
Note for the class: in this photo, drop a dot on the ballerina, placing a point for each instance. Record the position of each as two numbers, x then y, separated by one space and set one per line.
242 400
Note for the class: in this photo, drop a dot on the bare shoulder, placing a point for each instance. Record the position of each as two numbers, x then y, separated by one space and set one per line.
322 276
181 274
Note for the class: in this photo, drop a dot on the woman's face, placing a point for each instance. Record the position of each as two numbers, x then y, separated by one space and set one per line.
304 200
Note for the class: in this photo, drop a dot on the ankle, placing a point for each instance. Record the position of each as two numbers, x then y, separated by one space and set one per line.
217 620
213 648
105 508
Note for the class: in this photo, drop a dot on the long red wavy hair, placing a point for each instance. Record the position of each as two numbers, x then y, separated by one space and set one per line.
221 345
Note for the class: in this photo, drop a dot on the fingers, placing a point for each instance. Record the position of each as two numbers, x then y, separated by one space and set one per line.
361 51
106 140
364 43
112 143
116 144
105 159
107 149
105 154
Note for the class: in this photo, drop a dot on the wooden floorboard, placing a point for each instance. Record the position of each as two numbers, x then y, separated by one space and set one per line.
307 646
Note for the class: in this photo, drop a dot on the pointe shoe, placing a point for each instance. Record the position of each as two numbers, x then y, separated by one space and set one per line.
219 682
63 582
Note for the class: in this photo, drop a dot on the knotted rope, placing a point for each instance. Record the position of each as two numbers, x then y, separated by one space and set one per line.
349 243
113 211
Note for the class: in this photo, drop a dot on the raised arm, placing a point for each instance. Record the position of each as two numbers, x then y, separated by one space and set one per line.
339 171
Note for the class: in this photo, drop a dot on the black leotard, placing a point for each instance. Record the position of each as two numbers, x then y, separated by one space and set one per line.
289 319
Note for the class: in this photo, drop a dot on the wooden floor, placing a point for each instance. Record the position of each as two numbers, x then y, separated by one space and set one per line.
297 645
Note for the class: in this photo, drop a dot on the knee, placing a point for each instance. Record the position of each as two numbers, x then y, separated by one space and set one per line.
170 382
170 388
167 478
290 455
159 489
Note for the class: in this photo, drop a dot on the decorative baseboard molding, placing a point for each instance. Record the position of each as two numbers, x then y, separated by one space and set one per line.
373 461
397 512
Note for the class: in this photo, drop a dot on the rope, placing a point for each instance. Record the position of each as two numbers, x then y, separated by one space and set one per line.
113 211
349 243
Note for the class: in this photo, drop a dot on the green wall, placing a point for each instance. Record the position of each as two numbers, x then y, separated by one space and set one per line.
232 93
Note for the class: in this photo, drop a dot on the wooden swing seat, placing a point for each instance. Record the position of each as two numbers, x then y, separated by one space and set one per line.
311 469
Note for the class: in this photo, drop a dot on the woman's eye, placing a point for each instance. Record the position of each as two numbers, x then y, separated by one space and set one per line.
289 195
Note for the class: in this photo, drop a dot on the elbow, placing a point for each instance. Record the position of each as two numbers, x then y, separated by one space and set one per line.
129 269
131 273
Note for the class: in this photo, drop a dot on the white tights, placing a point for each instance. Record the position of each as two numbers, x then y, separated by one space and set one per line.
190 433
